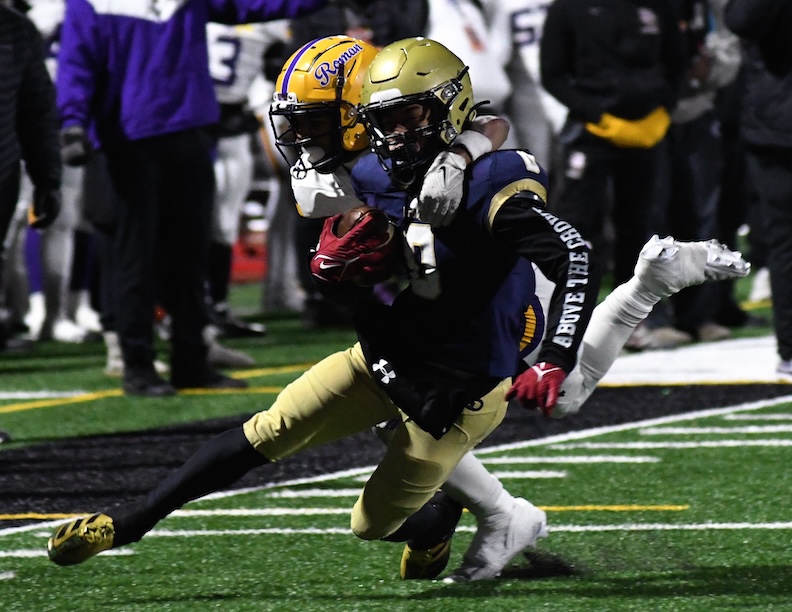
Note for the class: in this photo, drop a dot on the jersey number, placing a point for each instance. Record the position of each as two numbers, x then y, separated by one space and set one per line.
530 162
224 60
422 262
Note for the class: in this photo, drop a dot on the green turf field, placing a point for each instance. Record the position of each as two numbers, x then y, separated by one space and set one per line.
640 519
685 512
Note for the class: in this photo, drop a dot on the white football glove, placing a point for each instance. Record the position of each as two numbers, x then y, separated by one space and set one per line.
441 192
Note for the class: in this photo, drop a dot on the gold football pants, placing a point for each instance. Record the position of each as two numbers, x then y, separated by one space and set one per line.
337 398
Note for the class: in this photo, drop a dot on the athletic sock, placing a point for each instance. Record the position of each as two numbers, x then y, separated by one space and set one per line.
431 524
475 488
218 464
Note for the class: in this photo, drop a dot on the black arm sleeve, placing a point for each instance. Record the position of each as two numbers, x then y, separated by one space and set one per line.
562 255
37 117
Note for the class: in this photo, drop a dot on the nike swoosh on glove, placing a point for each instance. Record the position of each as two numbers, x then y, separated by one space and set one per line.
363 256
538 387
442 189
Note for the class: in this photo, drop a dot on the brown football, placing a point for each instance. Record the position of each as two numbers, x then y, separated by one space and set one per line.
354 215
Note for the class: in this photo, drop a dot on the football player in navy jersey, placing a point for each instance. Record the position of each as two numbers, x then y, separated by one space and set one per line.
443 359
313 111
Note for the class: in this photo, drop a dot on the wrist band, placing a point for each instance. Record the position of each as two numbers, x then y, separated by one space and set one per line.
475 143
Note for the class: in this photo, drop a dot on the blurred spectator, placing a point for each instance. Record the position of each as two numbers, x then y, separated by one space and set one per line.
236 60
28 132
135 76
689 189
536 116
765 27
618 67
49 287
462 27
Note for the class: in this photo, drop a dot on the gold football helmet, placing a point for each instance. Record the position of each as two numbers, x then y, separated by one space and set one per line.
317 93
417 73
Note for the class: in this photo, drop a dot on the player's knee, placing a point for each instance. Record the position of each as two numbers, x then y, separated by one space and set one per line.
365 527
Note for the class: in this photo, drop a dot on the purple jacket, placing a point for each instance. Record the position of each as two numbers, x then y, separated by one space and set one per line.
132 69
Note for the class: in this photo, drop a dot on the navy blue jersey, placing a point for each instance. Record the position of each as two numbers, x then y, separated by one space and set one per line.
472 283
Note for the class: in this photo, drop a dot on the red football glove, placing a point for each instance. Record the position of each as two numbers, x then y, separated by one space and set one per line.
538 387
363 256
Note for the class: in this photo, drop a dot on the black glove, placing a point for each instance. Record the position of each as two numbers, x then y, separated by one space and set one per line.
45 208
76 149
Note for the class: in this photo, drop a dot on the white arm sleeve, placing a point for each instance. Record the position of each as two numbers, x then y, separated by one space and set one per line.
323 195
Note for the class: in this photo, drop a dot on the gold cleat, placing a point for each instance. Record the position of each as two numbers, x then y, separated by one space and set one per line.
424 564
81 539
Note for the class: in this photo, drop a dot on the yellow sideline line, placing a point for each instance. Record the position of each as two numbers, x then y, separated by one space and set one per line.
89 397
591 508
85 397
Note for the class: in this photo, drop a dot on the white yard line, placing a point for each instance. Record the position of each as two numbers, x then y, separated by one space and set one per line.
686 431
292 494
558 441
598 431
531 474
186 533
675 445
781 416
24 395
30 553
569 459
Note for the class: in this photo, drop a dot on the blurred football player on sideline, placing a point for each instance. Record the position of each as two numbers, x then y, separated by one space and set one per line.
236 60
443 358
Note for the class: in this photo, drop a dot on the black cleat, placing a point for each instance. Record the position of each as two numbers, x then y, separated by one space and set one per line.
145 382
427 557
210 379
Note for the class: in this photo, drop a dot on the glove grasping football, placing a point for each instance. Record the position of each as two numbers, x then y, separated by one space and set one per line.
538 387
357 247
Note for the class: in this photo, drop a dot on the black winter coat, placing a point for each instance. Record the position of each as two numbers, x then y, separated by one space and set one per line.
765 27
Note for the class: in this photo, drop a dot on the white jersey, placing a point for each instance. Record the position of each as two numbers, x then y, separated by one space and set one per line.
460 26
236 56
517 27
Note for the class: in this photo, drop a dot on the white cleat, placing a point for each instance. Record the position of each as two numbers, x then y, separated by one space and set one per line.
499 539
666 266
63 330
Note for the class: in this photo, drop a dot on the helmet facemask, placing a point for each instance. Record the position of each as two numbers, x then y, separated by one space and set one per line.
314 128
315 102
406 154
